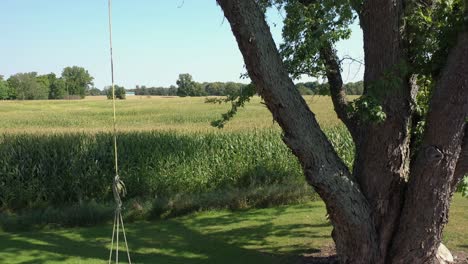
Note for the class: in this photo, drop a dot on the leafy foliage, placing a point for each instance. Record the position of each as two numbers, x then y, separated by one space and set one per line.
316 88
31 86
161 91
26 86
237 98
431 32
207 88
94 92
463 187
309 28
354 88
368 109
3 89
57 87
313 88
188 87
120 92
77 80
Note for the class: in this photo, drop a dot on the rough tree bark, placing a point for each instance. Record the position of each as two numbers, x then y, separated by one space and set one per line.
427 201
382 155
337 91
370 209
348 210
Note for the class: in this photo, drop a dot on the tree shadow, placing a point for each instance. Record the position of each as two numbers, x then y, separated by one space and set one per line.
224 237
259 230
173 243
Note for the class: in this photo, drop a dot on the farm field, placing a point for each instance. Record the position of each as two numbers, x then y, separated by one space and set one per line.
56 153
261 236
170 151
141 113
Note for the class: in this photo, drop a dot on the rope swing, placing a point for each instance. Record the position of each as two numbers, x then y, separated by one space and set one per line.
118 187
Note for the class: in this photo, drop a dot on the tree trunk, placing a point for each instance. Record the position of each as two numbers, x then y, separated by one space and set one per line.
366 207
349 212
427 201
382 151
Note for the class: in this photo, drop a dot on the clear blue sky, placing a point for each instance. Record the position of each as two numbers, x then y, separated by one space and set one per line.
154 40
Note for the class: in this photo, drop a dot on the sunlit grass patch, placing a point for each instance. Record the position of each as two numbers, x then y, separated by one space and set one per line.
257 236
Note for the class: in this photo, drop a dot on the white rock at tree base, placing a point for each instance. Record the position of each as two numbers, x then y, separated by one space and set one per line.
443 255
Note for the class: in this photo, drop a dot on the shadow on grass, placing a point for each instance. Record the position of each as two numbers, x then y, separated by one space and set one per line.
220 237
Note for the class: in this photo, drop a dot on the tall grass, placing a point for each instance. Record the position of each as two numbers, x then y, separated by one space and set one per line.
58 169
38 170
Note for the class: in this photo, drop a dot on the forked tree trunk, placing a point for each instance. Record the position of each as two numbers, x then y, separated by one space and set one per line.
427 201
372 210
382 151
349 212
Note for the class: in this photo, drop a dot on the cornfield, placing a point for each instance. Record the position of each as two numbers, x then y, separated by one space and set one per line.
58 169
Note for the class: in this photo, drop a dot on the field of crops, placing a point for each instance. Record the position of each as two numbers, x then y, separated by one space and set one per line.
56 166
55 154
141 114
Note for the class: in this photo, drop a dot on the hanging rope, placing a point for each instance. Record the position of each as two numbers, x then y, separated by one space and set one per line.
118 187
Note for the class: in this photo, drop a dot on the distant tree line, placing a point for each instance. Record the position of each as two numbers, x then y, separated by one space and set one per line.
75 82
119 91
316 88
159 91
186 86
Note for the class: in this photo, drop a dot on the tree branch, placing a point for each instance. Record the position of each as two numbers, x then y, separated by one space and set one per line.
432 173
347 57
348 209
337 91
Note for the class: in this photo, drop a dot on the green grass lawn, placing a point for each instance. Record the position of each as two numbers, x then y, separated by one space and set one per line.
142 114
273 235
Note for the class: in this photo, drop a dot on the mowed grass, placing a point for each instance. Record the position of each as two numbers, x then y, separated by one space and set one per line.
273 235
141 113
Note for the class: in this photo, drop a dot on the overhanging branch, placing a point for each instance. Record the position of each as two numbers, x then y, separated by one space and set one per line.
337 91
